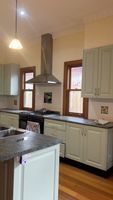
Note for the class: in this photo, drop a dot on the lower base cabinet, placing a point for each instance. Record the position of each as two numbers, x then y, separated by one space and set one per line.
38 178
56 129
74 142
9 120
90 145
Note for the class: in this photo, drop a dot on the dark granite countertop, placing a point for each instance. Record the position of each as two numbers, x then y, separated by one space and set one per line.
13 111
18 145
79 120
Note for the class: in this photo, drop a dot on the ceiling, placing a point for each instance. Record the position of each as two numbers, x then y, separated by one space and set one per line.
58 17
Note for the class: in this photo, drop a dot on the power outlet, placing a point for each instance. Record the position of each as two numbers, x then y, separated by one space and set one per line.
104 109
15 102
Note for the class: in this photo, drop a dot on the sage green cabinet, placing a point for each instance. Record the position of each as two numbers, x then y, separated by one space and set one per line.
11 79
1 79
90 145
98 72
38 178
9 119
56 129
74 142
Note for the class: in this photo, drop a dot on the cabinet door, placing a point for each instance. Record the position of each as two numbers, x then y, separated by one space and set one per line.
95 147
11 80
9 119
1 79
4 119
105 84
90 73
13 120
38 178
7 77
56 129
74 142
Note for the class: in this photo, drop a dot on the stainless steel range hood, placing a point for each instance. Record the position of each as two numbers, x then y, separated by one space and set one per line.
46 77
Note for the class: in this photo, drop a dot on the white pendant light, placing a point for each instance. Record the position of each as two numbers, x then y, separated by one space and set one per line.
15 43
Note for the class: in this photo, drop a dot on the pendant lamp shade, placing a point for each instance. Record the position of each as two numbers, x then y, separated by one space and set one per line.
15 43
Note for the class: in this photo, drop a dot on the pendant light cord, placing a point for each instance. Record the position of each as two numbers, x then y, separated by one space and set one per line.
15 43
16 21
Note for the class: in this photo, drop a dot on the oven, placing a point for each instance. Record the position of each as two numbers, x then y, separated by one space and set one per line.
36 116
23 118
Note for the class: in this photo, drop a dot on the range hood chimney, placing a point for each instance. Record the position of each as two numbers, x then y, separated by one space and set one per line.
46 76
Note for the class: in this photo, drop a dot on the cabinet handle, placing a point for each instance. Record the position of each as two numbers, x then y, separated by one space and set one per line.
95 91
82 133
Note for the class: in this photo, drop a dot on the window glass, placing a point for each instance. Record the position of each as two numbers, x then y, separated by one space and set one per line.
28 99
75 102
27 90
28 76
28 86
76 77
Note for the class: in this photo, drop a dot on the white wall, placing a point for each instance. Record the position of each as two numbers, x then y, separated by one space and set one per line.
64 49
99 33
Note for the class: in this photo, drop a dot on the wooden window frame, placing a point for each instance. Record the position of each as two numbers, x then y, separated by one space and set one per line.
22 72
67 66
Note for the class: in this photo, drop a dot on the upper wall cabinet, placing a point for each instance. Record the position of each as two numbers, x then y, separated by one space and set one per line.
1 79
98 72
9 79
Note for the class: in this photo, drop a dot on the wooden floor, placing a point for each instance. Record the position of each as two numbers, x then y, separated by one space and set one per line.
77 184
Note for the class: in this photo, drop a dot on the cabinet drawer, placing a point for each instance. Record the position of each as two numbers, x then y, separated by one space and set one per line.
55 124
55 133
14 116
9 120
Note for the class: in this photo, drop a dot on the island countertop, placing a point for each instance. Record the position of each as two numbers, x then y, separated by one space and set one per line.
19 145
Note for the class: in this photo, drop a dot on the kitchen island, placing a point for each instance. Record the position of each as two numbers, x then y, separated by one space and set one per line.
29 167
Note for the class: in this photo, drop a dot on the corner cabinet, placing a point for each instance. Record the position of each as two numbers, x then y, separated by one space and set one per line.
56 129
98 72
11 79
90 145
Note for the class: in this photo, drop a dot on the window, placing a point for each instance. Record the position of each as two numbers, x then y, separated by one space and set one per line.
27 90
74 104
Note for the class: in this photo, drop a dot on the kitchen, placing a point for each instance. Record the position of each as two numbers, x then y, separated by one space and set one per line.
67 47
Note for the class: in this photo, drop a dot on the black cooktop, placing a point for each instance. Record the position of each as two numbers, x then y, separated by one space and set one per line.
44 111
39 112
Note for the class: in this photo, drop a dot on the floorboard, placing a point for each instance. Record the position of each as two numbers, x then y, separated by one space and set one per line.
77 184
